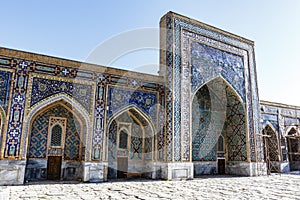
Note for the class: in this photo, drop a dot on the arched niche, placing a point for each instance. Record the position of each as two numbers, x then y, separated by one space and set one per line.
129 143
218 110
70 104
271 143
47 159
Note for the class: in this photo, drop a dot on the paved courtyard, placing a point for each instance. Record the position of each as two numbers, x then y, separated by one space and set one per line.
207 187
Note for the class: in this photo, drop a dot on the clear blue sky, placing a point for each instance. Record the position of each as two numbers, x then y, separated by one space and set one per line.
72 29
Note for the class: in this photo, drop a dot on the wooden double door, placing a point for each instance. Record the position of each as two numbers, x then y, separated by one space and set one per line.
54 167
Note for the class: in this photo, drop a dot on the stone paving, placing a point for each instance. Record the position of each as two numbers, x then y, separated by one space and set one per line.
285 186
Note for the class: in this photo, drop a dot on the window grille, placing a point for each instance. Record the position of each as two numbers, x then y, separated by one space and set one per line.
56 136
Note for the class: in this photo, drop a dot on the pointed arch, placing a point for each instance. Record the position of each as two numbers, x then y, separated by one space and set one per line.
272 143
219 77
138 110
267 123
291 130
139 135
67 102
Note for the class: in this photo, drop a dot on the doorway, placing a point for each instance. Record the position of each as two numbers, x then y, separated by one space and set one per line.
122 167
221 166
54 167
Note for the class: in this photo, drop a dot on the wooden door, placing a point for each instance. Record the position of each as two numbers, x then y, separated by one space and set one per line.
122 167
54 167
221 166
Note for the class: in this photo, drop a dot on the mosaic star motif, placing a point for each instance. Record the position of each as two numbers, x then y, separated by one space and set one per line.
120 98
43 88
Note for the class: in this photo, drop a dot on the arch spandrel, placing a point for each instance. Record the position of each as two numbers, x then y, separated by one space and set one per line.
120 98
135 109
209 62
43 88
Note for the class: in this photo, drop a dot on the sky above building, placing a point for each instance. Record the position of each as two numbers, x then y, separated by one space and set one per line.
85 30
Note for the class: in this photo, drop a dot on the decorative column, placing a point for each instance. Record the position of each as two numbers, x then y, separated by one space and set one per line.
18 102
98 135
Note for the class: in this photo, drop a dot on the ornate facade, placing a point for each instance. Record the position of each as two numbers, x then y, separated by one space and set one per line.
66 120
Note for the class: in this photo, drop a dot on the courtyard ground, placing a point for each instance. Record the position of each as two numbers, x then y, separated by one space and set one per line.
275 186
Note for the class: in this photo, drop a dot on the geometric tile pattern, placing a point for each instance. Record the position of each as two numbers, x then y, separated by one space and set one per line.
43 88
38 140
161 131
208 62
173 137
118 87
169 89
178 93
136 144
272 144
5 78
282 122
99 118
119 98
203 140
39 134
235 128
185 100
72 140
14 133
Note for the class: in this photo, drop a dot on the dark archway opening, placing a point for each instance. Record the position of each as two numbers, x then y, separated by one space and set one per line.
217 111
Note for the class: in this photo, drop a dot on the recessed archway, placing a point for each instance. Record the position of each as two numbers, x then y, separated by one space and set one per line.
43 154
272 149
217 111
130 144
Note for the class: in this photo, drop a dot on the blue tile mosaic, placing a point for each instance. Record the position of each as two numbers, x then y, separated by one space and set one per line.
5 83
119 98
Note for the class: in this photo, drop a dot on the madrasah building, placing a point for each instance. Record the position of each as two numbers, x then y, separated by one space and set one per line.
67 120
